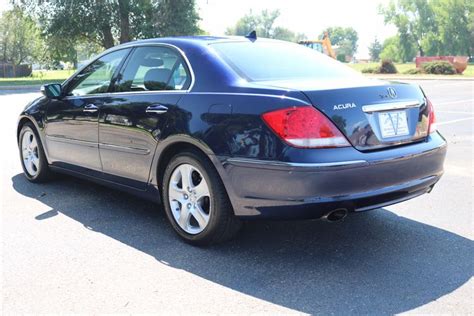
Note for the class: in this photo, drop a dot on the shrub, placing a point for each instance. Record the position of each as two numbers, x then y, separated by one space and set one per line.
370 70
341 58
413 71
439 67
387 67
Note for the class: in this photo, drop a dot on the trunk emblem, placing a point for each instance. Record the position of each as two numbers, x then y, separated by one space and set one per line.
391 93
344 106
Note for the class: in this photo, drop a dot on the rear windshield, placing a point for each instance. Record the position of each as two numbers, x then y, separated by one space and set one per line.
262 61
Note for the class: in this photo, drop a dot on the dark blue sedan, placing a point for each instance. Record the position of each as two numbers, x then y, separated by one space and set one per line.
222 129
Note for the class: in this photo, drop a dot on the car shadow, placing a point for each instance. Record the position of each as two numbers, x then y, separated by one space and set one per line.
371 262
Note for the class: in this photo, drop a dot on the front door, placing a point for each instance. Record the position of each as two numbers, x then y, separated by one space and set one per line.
72 132
131 125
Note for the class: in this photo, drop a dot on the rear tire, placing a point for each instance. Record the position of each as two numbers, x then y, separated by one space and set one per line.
33 159
196 202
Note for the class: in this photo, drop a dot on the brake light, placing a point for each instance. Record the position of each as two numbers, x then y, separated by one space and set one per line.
432 118
305 127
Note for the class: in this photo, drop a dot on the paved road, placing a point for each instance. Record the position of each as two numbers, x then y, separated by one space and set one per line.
72 246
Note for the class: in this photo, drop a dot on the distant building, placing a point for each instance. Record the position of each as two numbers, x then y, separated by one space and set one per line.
12 71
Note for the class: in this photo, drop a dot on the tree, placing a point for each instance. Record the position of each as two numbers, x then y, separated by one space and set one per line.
19 37
470 28
414 19
267 20
108 22
288 35
245 25
58 49
391 49
175 17
264 24
345 48
375 48
434 27
66 50
345 38
455 19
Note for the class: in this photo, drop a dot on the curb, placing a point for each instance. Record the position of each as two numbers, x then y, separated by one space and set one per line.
28 87
395 77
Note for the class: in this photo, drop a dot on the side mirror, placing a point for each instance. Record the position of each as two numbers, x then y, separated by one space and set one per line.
52 91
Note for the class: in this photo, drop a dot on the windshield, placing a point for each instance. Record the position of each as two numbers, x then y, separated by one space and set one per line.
265 61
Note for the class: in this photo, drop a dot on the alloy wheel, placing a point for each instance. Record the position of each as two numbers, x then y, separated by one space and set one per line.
30 155
189 198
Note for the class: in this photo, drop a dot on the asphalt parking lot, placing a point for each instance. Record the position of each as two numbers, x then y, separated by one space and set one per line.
73 246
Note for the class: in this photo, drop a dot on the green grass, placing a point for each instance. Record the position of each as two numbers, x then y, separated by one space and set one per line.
38 78
58 76
469 72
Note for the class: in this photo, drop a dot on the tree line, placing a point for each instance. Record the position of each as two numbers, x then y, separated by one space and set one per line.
263 23
49 31
52 31
426 28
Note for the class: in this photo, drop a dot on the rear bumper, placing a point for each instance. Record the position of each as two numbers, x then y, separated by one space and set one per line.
277 189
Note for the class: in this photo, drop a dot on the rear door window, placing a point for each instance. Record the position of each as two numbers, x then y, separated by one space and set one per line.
154 68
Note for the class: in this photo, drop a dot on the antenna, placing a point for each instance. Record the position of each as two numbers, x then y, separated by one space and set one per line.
252 35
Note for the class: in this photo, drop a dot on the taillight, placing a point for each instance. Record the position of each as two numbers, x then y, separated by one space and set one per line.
305 127
432 118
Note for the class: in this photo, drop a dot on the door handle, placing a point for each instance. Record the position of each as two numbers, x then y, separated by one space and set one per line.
157 109
90 108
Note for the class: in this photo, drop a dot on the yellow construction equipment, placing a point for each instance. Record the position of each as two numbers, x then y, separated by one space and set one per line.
323 46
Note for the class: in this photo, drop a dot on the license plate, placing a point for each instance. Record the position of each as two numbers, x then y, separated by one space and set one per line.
393 124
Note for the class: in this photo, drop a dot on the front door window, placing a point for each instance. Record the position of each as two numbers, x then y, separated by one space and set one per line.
96 77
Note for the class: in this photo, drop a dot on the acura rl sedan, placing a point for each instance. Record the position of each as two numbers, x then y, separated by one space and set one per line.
225 129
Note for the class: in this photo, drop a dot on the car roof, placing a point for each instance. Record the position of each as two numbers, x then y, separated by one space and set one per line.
200 40
192 48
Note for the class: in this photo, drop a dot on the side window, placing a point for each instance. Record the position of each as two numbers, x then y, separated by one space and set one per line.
96 77
154 68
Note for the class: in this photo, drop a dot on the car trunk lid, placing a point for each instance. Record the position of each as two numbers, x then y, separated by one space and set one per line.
372 114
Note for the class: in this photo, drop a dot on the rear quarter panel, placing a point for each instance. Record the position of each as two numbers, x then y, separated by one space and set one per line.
230 123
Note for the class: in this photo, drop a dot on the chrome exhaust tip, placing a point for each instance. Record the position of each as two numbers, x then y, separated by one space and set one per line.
336 215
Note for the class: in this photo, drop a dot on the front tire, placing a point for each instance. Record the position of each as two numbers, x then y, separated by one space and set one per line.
33 159
196 202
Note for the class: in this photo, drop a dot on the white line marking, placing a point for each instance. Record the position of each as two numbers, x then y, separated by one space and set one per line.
455 121
454 112
453 83
454 102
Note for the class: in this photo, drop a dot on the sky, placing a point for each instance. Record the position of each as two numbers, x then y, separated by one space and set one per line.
303 16
4 5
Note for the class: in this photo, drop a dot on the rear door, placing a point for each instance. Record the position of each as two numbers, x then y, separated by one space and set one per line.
131 124
72 131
